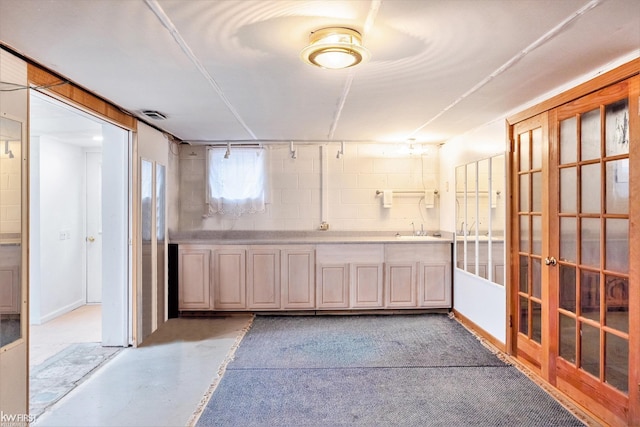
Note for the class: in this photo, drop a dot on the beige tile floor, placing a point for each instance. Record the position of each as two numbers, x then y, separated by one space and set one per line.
83 324
161 383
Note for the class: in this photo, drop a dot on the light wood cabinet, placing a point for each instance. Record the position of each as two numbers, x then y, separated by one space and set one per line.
315 277
400 284
298 277
332 286
366 285
350 275
418 275
229 281
194 269
10 284
263 278
433 280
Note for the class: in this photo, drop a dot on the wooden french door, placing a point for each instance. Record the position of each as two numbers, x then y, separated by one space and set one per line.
591 280
529 297
574 296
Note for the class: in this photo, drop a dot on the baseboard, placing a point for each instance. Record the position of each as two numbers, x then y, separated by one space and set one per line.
61 311
479 331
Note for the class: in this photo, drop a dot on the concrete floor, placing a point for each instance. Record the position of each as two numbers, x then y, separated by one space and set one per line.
161 383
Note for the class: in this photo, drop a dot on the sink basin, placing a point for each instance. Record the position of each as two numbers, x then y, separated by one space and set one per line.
411 237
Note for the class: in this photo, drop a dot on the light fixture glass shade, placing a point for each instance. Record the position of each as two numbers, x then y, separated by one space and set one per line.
335 48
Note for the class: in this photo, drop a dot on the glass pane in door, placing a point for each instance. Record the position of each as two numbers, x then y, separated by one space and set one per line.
568 239
590 184
617 303
523 151
590 349
568 202
616 368
590 295
568 288
617 128
567 338
617 245
569 138
590 242
590 135
617 186
524 315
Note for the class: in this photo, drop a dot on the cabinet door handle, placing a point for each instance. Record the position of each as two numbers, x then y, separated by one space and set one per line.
550 261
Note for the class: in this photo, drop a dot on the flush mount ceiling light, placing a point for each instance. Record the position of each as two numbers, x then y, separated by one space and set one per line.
335 48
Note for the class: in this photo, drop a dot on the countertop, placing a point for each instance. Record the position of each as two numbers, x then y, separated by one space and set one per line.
244 237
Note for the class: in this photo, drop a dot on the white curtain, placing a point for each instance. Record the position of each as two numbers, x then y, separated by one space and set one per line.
235 185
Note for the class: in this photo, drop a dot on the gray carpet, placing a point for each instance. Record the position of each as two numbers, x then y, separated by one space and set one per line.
413 370
360 341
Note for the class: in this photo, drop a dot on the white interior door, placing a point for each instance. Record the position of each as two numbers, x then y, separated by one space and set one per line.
94 227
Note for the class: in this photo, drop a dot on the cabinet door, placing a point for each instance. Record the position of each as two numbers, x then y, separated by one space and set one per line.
193 279
400 284
263 279
9 290
230 279
434 285
298 278
332 286
366 285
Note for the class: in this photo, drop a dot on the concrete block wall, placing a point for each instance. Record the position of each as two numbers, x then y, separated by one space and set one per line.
317 186
11 189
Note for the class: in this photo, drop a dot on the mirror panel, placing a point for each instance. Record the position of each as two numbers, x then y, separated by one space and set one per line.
11 316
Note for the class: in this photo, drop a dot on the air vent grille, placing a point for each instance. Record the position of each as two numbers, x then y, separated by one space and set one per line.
155 115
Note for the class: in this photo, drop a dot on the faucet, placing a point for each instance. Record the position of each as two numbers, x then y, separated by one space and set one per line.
470 228
413 228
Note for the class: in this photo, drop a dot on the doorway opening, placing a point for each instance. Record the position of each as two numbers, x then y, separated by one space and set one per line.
79 208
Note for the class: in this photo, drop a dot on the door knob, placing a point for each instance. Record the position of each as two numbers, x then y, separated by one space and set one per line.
550 261
91 239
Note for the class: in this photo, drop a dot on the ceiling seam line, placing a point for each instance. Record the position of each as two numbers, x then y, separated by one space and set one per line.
368 23
343 100
511 62
168 24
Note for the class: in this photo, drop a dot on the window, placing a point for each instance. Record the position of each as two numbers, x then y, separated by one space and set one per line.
235 180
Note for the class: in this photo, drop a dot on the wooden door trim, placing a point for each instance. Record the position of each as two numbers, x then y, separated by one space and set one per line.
634 250
69 92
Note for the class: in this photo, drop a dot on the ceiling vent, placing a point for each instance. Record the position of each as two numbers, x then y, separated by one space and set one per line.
155 115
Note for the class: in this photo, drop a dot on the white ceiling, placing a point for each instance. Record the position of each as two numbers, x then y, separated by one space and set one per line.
230 70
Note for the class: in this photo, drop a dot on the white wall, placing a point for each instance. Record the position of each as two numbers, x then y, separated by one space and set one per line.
61 238
295 195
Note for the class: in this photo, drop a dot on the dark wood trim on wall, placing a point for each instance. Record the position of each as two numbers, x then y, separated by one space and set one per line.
38 76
